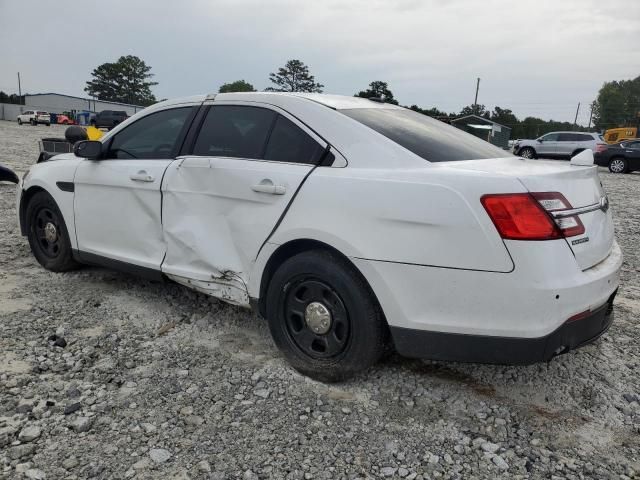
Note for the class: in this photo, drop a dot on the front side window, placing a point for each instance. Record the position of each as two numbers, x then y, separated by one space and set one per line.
427 137
567 137
288 143
633 145
550 137
234 131
151 137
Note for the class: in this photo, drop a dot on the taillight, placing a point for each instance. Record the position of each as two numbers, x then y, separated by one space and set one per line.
601 147
526 216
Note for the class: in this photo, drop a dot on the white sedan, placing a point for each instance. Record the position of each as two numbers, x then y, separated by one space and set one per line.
351 225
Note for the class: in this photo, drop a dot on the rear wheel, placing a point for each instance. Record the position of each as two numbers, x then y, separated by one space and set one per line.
48 235
528 152
618 165
33 122
323 317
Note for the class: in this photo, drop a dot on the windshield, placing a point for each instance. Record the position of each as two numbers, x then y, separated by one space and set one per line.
427 137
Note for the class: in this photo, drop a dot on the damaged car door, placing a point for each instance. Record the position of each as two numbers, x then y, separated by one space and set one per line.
117 200
222 200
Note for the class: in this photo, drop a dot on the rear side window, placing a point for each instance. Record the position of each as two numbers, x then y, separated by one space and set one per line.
234 131
288 143
427 137
152 137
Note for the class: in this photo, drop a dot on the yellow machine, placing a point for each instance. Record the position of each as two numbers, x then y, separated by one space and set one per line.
616 135
93 133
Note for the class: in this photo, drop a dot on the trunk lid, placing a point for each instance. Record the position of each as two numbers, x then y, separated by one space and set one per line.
580 185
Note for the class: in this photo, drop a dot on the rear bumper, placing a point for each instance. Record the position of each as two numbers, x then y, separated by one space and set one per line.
504 350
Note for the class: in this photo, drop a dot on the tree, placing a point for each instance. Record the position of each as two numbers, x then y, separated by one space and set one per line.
125 81
504 116
237 86
378 89
618 104
475 109
431 112
294 77
12 98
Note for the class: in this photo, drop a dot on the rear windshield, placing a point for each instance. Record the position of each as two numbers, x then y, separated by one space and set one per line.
427 137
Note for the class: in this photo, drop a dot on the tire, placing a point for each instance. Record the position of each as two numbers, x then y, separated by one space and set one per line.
33 122
354 335
19 122
50 246
48 124
527 152
618 165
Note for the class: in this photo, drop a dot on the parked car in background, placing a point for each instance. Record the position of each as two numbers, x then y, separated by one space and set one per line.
34 117
460 251
623 157
65 120
558 145
109 118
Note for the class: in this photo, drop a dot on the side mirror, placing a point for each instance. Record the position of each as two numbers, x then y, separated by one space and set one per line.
584 158
89 149
539 140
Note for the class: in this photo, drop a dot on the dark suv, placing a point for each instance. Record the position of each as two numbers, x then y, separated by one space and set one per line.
109 118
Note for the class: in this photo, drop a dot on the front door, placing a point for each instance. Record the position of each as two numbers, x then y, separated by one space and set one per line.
222 202
548 145
117 200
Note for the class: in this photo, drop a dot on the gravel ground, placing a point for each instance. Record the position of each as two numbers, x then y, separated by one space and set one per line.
156 381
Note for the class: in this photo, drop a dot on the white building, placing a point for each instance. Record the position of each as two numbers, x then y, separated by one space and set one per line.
58 103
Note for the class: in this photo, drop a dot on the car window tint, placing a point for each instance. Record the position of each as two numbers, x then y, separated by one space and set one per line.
234 131
566 137
288 143
551 137
153 136
427 137
633 145
585 138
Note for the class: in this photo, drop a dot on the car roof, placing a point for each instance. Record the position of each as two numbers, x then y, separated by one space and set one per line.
337 102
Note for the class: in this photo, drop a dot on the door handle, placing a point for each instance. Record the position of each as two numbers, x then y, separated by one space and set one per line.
141 176
267 186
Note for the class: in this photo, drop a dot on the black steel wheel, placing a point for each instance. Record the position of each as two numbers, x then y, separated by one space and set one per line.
47 233
324 317
317 321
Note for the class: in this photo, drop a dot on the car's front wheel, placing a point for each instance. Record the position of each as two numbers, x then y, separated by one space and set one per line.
19 122
618 165
48 235
528 152
323 316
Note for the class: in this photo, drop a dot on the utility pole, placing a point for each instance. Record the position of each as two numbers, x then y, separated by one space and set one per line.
19 90
591 114
575 120
475 102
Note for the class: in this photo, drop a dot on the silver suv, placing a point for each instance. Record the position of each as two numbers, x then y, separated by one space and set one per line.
558 145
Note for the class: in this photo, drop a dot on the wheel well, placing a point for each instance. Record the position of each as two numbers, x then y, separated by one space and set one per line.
24 201
288 250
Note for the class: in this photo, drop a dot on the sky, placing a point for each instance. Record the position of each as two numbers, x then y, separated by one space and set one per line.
538 58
